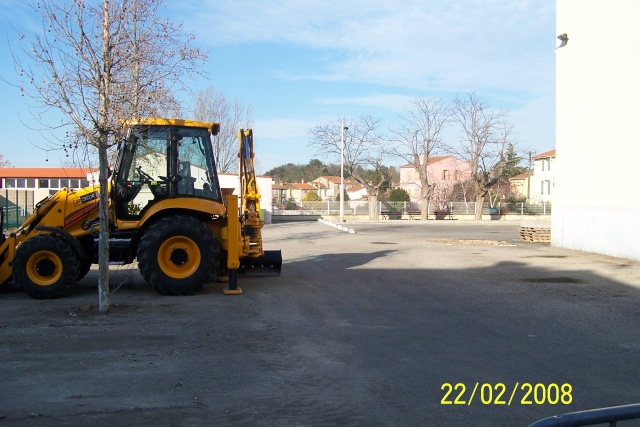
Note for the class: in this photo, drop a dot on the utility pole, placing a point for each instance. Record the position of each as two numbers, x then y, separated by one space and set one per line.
529 176
342 129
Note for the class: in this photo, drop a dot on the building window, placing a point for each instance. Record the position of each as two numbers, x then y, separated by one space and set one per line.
74 183
31 183
446 174
546 187
21 183
84 183
43 183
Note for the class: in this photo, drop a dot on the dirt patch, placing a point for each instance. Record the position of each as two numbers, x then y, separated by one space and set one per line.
472 242
562 279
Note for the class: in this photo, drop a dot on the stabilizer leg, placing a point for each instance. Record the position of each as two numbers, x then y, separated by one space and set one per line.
232 287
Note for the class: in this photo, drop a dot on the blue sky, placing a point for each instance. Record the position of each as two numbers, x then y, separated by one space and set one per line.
302 63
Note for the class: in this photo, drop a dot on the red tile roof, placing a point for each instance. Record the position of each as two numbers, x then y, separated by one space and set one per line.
331 178
522 175
235 174
303 186
550 153
44 172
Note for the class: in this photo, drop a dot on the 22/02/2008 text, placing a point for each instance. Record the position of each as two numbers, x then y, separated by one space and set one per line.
500 394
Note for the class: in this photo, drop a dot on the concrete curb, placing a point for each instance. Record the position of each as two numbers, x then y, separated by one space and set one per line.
338 226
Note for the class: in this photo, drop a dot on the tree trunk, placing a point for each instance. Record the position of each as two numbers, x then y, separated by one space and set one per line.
425 193
103 245
373 206
103 205
424 208
479 203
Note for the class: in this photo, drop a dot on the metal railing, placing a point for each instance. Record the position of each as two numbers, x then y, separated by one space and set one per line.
404 208
592 417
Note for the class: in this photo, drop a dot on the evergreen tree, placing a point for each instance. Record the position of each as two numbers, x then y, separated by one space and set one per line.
512 164
399 195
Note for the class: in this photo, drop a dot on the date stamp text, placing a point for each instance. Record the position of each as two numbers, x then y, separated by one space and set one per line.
502 394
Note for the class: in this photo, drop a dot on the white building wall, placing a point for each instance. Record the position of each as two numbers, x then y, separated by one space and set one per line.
264 188
596 204
543 180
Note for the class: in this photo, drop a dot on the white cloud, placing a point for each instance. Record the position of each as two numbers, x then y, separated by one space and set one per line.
283 128
393 102
427 45
281 141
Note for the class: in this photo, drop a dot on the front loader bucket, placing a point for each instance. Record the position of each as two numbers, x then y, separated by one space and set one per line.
270 264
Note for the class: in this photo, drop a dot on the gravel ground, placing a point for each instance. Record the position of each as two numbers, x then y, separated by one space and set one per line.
394 324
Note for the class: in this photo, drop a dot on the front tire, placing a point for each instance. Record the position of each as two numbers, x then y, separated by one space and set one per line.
178 255
45 267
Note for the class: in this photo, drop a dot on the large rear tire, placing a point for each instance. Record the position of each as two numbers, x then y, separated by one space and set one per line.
45 267
178 255
85 267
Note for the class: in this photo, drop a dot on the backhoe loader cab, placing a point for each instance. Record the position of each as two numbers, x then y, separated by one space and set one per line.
166 210
164 159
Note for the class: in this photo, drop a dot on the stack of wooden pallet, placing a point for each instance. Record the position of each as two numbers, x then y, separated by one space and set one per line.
535 234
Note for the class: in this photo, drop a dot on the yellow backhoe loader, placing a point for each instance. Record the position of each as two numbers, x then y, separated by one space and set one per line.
166 209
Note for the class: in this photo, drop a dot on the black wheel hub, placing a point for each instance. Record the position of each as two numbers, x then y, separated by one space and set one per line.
179 256
45 267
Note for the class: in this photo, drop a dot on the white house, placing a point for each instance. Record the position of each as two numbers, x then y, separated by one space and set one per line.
543 178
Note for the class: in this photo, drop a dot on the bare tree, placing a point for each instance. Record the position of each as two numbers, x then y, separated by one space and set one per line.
212 105
443 197
500 190
98 63
4 163
364 150
462 191
418 137
162 59
484 141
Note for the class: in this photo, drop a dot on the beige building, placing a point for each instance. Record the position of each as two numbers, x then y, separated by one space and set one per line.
21 188
329 187
43 181
295 191
596 207
521 184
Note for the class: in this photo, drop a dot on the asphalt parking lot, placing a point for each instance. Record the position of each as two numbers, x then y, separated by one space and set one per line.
399 323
